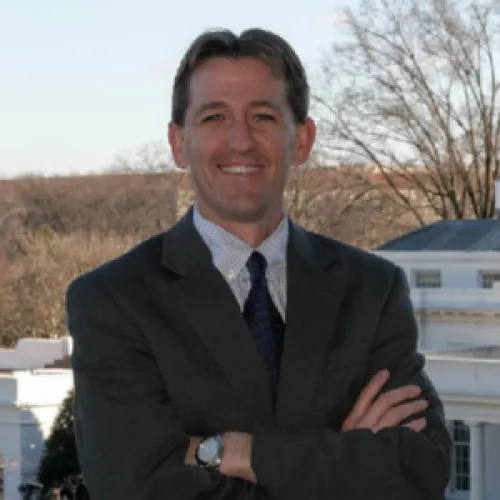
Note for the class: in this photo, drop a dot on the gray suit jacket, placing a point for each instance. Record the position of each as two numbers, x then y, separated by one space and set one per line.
161 352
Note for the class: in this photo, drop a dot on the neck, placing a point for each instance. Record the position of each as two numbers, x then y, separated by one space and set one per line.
253 233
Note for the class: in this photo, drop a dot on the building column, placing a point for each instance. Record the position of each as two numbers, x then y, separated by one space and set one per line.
477 462
12 478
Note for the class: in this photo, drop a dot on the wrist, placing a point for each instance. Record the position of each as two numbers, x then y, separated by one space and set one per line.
237 456
190 458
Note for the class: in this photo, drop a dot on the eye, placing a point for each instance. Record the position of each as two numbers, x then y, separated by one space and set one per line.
264 117
212 118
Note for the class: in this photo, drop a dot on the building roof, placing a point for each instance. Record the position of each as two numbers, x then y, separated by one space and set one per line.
450 235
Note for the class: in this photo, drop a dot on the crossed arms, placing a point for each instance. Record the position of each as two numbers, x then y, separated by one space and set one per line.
374 411
132 446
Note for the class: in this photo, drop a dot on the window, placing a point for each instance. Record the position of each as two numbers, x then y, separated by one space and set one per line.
460 474
427 278
487 278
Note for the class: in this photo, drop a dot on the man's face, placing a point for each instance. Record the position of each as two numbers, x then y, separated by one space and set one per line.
239 139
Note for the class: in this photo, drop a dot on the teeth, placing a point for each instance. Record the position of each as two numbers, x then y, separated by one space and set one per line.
239 169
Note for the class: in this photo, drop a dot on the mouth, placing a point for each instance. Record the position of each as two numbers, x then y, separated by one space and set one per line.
239 169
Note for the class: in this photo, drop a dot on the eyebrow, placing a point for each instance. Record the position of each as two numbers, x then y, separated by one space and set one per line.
208 106
214 105
266 104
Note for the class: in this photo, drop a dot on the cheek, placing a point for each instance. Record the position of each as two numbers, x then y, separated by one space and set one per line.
276 146
284 155
199 151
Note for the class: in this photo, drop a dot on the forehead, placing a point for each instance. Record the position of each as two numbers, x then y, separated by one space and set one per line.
235 80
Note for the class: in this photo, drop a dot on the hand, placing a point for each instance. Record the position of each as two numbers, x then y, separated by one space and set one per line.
237 456
374 411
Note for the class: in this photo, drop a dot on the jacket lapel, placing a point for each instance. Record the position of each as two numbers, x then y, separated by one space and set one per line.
316 285
208 302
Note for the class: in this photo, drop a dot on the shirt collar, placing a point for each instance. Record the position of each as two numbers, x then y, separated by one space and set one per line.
230 254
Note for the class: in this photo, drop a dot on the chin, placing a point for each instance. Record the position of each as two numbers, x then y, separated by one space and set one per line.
247 213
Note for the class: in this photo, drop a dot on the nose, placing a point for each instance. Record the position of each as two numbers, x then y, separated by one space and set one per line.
240 137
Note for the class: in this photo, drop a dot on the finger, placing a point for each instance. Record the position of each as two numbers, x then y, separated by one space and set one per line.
368 395
400 413
347 425
386 401
417 425
365 399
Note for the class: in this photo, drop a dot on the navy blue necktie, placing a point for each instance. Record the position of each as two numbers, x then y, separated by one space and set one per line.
264 320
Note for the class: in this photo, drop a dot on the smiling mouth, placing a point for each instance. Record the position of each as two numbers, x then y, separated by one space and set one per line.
239 169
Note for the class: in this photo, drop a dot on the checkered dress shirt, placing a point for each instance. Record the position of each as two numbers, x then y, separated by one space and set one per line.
230 255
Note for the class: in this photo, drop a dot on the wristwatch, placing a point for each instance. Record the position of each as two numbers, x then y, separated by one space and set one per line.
209 452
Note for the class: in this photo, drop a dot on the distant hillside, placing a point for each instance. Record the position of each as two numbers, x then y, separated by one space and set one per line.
128 204
53 229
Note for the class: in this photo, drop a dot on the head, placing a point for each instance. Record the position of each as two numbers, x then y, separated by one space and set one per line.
240 122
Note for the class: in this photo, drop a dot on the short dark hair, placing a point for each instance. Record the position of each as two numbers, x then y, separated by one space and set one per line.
255 42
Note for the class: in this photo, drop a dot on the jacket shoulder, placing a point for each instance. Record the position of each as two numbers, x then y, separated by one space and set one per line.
355 257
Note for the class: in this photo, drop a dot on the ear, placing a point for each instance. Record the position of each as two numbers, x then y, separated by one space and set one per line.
305 137
177 145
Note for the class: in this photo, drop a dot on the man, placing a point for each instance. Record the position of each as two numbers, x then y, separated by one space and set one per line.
238 356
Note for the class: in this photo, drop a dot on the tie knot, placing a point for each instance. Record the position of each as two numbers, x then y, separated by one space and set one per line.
256 265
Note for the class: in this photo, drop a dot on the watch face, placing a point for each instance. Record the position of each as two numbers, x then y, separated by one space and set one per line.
208 450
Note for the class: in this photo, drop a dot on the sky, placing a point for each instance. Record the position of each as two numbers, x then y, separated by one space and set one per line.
83 81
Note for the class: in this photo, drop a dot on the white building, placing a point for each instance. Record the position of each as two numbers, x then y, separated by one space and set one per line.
34 379
453 268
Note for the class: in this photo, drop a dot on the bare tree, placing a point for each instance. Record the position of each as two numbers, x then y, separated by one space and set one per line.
305 193
108 204
33 286
336 202
53 229
153 157
411 88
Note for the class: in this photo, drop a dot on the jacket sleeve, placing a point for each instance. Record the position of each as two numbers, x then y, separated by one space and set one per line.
130 444
395 463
